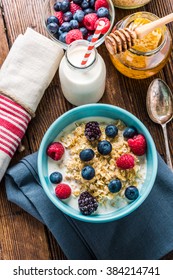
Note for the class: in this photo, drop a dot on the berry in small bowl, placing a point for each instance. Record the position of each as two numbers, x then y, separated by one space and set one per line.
67 20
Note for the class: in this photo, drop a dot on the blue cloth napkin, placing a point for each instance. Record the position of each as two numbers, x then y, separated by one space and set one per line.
145 234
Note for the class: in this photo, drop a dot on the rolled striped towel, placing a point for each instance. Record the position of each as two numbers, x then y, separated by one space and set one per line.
24 76
13 124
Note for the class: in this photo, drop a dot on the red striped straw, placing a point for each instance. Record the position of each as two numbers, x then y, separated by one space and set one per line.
95 37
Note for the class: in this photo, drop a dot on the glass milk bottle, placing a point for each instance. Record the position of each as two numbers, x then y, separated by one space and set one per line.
82 84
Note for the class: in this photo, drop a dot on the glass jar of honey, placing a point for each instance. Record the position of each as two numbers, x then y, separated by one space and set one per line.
130 4
149 54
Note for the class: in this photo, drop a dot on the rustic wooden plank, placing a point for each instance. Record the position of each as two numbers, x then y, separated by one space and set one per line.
22 237
21 14
3 38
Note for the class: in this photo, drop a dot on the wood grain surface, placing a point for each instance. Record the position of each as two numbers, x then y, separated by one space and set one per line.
22 236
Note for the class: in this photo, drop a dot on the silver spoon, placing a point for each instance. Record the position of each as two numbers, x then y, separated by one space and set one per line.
160 109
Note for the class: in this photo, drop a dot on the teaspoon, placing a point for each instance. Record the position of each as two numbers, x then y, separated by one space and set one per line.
159 104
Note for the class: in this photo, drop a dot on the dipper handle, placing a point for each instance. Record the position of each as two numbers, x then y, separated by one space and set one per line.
143 30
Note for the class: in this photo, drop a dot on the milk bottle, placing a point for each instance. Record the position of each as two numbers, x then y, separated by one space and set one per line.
82 84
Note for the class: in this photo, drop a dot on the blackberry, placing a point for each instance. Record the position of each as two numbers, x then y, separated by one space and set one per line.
92 131
87 203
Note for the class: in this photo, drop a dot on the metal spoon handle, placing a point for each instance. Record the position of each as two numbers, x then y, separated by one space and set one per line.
168 155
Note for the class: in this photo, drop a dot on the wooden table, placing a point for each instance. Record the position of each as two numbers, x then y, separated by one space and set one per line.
22 236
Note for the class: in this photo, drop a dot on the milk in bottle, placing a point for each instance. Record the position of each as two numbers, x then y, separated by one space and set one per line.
82 84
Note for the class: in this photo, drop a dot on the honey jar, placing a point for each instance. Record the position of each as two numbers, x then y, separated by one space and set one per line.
149 54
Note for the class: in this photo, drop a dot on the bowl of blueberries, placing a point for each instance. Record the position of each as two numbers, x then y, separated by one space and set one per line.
67 20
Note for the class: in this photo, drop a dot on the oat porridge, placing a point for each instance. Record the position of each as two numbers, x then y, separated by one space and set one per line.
97 165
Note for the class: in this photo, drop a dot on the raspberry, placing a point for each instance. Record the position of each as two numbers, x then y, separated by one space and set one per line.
74 7
59 15
62 191
107 24
87 203
90 20
125 161
92 131
73 35
138 145
55 151
101 3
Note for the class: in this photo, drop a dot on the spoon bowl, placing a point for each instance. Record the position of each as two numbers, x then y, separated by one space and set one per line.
159 104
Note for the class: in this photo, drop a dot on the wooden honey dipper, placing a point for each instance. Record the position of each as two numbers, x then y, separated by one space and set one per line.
123 39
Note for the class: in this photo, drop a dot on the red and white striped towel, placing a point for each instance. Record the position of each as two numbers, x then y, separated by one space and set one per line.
13 124
24 76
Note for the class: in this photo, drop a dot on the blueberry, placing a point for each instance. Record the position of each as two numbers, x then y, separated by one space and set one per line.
78 2
103 12
62 37
131 193
57 6
65 6
67 16
89 38
86 155
65 27
84 31
53 27
129 132
74 24
104 147
88 11
114 185
55 177
92 3
111 130
88 172
52 19
85 4
78 15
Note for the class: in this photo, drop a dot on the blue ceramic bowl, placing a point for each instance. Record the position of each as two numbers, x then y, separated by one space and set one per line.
100 110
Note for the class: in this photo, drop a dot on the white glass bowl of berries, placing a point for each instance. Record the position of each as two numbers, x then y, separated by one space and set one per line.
67 21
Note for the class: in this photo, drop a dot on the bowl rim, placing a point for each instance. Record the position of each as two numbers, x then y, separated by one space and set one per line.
105 217
65 46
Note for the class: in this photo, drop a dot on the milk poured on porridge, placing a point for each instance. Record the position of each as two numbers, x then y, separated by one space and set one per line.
74 141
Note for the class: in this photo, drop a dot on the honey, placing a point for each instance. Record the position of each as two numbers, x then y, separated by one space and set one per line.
149 54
